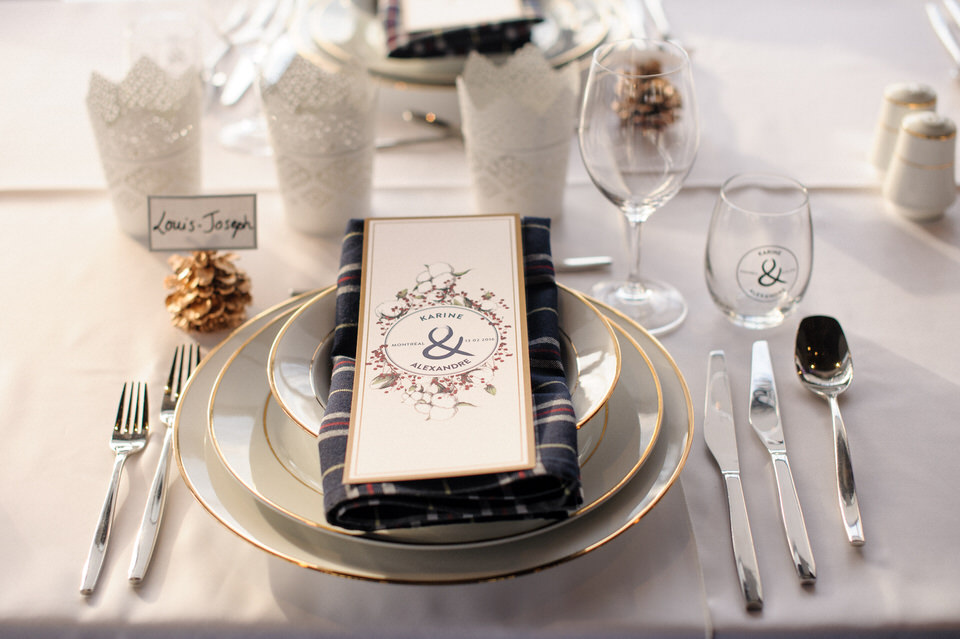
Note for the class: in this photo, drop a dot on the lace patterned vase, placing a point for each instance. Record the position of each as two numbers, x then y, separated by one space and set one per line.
321 125
147 128
518 126
529 181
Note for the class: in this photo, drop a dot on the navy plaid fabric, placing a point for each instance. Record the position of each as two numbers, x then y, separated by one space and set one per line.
551 489
496 37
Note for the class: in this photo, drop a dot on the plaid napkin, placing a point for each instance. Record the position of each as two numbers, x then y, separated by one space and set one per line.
494 37
550 489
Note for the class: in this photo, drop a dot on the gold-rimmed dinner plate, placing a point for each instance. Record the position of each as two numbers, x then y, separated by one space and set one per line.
345 31
278 462
235 508
298 366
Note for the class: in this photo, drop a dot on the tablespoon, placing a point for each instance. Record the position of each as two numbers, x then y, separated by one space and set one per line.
825 366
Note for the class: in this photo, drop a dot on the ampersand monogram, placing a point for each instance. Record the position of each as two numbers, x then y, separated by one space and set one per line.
441 340
438 348
766 273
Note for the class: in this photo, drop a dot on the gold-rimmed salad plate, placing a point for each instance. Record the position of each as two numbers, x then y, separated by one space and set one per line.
298 365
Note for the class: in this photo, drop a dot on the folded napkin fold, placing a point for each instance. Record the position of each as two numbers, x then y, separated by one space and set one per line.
492 37
550 490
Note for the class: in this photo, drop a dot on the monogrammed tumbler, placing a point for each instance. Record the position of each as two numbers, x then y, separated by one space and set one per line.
759 249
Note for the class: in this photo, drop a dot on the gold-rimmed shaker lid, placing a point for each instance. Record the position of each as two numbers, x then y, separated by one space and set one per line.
911 96
927 139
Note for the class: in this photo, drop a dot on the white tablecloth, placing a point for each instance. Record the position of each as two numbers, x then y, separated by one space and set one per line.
788 87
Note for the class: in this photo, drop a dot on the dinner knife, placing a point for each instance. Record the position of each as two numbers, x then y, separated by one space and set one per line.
942 29
720 434
765 419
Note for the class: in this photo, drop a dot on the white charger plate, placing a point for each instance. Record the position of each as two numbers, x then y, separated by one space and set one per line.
570 31
298 367
317 549
278 462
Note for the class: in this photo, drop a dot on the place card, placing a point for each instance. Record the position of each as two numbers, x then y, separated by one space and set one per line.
430 15
442 383
202 222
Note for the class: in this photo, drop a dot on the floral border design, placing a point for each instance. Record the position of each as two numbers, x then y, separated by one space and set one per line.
439 397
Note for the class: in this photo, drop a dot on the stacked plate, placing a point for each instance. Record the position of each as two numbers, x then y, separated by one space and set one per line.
246 445
347 31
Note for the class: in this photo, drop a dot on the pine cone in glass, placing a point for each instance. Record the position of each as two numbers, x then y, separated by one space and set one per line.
650 103
209 292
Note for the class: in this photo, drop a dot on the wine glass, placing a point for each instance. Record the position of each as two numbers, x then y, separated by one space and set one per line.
639 134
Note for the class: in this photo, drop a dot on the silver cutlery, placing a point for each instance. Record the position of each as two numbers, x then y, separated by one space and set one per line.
662 25
234 20
184 359
129 436
241 27
825 366
585 263
765 419
720 435
942 29
245 72
636 18
953 8
659 17
447 130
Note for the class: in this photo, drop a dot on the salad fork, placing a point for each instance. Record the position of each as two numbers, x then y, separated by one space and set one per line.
184 359
129 437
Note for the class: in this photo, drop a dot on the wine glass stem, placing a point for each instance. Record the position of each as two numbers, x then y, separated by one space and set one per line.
633 289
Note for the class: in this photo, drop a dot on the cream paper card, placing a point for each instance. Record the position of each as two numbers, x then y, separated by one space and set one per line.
430 15
442 386
197 222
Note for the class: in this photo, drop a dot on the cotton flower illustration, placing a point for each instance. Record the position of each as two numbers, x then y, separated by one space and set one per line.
435 403
436 283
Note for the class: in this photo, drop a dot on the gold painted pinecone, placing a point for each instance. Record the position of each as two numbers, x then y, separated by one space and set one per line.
650 103
209 292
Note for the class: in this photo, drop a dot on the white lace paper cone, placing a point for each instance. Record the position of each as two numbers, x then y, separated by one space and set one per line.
148 135
518 120
321 193
321 125
526 182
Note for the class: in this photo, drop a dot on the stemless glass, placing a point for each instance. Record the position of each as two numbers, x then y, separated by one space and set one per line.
759 249
639 133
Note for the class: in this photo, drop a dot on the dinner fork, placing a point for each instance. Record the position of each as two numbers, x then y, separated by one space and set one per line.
184 359
129 437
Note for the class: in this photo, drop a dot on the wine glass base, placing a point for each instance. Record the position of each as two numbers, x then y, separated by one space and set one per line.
763 321
660 309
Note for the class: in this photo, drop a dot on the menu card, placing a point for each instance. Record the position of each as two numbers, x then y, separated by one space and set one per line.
442 387
430 15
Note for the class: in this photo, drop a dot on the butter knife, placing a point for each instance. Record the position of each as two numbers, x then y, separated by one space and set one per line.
721 438
765 419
